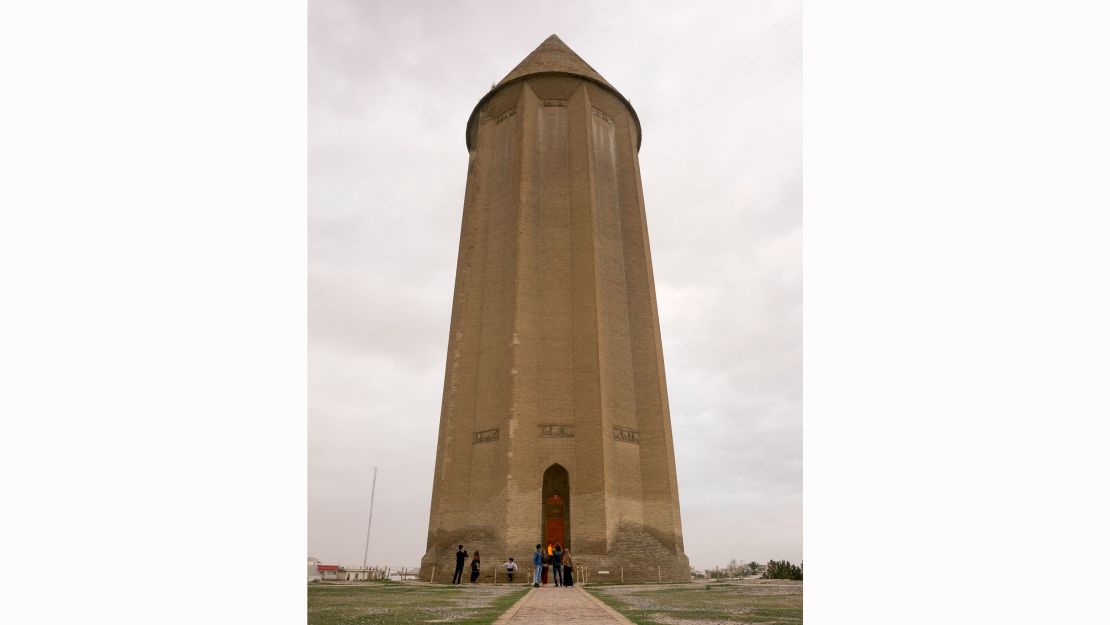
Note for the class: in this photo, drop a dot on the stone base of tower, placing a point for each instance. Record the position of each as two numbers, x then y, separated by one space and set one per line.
438 565
635 556
612 570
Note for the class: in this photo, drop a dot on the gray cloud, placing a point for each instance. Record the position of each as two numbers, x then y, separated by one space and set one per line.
718 90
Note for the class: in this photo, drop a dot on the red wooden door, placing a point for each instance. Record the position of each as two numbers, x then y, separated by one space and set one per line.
554 521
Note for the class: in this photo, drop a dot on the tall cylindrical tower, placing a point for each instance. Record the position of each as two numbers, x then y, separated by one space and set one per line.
555 425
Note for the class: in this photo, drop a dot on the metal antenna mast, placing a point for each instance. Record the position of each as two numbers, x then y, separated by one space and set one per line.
373 486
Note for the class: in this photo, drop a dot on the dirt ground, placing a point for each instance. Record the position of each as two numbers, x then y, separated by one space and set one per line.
405 603
701 603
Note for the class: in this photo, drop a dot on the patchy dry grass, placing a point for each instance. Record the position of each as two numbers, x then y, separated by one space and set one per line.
404 603
715 603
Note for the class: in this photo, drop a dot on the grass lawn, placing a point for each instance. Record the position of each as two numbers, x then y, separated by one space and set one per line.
778 602
402 603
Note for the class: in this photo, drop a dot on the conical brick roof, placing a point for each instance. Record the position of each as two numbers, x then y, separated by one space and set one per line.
554 56
551 57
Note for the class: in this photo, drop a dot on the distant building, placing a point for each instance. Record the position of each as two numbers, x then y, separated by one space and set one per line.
362 574
327 571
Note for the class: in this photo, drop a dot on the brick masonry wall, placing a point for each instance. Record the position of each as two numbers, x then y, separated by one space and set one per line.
554 355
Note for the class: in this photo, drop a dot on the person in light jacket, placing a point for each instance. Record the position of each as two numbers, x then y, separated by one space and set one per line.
537 565
510 568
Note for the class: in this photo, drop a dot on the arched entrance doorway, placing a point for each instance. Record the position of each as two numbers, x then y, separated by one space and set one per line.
556 506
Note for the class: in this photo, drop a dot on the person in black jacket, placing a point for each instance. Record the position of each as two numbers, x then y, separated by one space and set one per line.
475 564
557 565
460 560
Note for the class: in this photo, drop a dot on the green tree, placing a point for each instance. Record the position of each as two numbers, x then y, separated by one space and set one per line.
782 570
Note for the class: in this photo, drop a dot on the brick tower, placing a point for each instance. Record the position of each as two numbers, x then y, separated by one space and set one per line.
555 425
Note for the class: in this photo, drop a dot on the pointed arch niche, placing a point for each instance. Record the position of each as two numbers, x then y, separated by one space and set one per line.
556 506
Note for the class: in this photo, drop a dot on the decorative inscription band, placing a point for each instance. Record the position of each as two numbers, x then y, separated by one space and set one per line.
602 115
487 436
626 435
557 431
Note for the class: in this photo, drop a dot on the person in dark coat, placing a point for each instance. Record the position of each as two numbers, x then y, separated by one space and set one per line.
568 568
546 563
475 564
460 560
557 565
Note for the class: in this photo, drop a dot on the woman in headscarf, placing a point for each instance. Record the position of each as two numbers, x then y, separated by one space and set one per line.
568 568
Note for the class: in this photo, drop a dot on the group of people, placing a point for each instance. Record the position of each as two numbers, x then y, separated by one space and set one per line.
475 565
562 566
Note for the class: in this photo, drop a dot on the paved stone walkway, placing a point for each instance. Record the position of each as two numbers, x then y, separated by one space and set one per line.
550 605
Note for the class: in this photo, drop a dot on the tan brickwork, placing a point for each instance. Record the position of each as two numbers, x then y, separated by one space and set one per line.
554 355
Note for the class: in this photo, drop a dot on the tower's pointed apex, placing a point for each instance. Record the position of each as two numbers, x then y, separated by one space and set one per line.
554 56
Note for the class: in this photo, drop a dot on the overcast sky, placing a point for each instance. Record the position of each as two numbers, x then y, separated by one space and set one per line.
718 90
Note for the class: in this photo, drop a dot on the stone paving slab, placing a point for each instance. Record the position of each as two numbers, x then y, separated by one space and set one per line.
554 605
